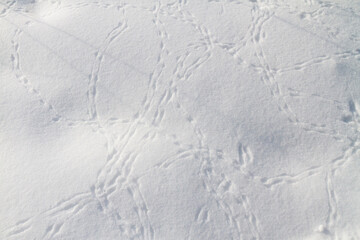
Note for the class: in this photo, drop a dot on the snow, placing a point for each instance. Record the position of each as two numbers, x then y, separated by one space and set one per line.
179 119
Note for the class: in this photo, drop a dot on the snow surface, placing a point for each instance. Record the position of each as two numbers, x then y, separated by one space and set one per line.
179 119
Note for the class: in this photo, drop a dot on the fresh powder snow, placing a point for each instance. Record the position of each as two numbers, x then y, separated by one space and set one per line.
179 119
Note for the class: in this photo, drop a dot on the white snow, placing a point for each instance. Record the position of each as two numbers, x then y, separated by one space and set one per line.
179 119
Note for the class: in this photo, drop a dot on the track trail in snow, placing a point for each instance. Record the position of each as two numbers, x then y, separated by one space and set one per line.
230 178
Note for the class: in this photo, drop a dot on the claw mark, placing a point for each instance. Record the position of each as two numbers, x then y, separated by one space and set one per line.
291 178
202 215
245 156
332 217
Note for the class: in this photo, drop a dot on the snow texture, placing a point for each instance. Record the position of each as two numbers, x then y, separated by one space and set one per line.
179 119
